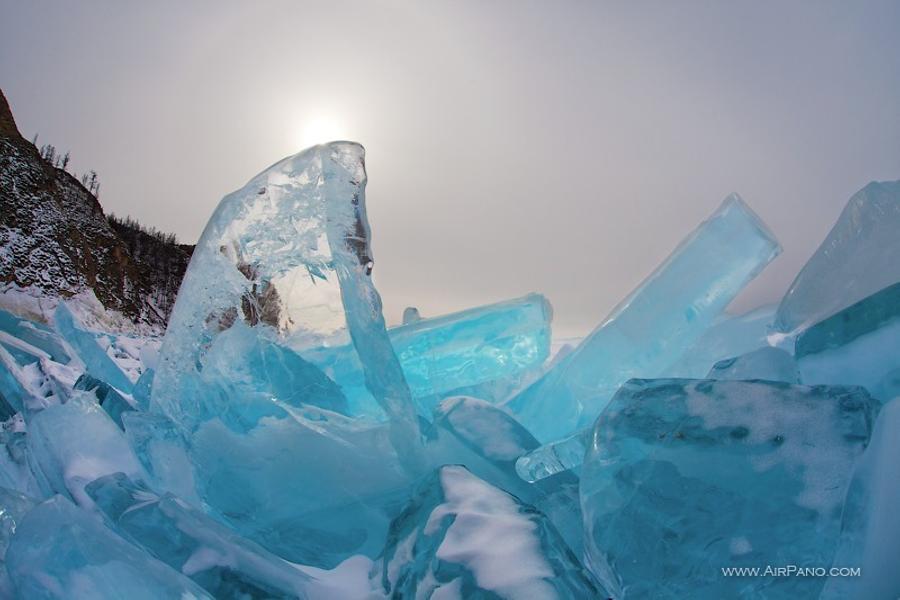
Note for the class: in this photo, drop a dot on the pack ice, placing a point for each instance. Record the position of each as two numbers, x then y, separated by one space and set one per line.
280 441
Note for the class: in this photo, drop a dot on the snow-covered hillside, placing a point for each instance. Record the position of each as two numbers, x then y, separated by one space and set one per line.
56 241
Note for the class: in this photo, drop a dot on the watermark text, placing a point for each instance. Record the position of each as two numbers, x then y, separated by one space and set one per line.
791 571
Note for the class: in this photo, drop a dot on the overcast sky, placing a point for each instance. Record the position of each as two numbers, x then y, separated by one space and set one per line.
559 147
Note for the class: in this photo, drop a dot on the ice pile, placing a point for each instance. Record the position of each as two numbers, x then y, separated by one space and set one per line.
282 442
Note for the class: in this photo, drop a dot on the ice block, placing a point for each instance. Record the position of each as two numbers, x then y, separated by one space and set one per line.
654 325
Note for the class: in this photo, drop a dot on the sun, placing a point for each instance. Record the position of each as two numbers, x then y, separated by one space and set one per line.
319 129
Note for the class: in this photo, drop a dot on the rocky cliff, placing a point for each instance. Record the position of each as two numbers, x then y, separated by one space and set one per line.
55 238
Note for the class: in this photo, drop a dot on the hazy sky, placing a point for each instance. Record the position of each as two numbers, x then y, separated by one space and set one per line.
560 147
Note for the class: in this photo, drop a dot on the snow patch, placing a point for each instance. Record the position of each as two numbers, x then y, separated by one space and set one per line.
490 537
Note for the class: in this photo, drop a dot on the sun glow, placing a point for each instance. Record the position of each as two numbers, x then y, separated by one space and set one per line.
319 129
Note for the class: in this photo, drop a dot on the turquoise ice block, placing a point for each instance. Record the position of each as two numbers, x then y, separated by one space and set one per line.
440 355
686 476
654 325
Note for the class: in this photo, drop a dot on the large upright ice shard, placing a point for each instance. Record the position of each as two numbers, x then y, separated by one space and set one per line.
858 258
280 276
684 477
655 324
286 257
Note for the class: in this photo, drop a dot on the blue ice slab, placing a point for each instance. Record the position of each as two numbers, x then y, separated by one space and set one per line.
870 531
217 559
460 537
858 345
492 345
62 552
142 389
35 334
108 397
162 450
86 344
474 346
771 364
856 259
684 477
288 257
74 443
654 325
20 352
